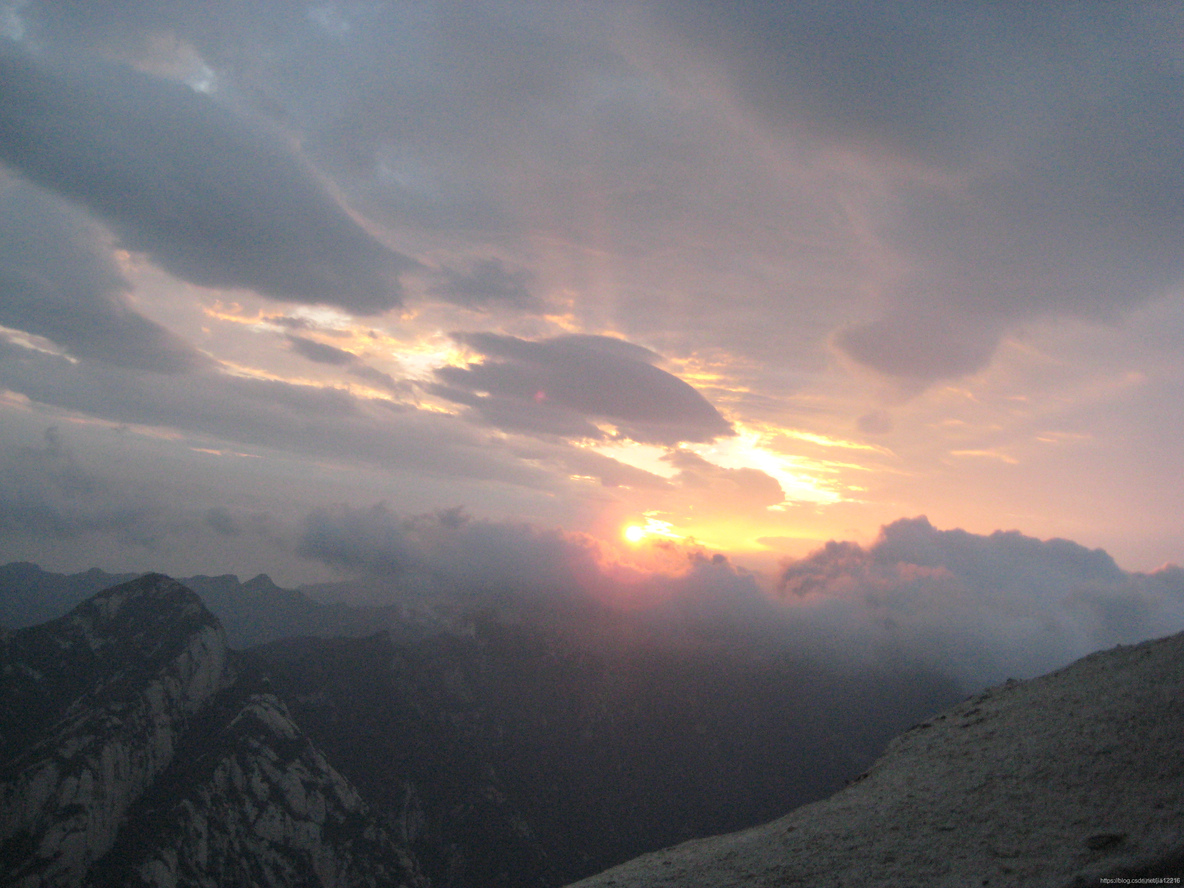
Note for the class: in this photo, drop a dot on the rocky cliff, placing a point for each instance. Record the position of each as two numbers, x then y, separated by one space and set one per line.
134 751
1061 781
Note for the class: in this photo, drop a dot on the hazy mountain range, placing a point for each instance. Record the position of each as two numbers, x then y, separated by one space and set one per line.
499 747
439 745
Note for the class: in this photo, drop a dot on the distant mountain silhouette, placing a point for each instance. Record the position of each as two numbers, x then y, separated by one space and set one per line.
251 613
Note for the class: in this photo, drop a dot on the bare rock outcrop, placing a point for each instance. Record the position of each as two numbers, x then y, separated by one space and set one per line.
250 801
94 704
134 751
1060 781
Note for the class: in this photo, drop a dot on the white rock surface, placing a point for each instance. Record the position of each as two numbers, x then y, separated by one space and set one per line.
1062 780
70 793
139 755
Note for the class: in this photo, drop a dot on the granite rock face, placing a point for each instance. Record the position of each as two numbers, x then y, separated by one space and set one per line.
133 751
1060 781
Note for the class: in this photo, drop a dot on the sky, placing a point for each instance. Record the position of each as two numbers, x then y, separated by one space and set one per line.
744 290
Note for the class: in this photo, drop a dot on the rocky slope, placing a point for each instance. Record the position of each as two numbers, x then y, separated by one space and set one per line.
1060 781
133 750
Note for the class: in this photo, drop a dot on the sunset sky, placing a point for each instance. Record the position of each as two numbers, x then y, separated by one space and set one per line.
283 284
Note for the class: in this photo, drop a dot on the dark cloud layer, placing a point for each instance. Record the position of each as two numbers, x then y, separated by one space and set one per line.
208 196
560 385
978 608
1028 150
57 282
282 416
449 552
46 493
1024 155
488 283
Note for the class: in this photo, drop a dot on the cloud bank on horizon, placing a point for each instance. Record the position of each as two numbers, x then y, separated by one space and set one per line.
754 276
980 608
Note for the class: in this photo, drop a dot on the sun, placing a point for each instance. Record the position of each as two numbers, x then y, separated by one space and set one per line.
634 533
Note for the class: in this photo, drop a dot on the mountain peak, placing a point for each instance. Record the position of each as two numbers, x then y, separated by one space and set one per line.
133 696
260 583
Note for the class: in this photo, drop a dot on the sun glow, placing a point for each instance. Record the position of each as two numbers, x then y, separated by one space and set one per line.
652 529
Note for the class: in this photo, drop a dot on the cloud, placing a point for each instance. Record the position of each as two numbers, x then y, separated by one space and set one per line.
222 522
877 422
919 346
47 495
57 281
1008 193
282 416
516 564
447 551
704 485
207 195
564 384
980 607
488 283
321 353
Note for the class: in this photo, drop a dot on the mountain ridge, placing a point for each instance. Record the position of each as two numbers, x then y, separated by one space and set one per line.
251 612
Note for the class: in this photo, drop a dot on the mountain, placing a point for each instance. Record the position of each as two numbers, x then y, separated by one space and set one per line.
501 747
135 749
1070 779
519 755
251 613
259 611
30 595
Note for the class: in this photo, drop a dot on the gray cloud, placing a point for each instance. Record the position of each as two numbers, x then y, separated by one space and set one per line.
743 487
205 194
1023 155
1026 149
449 552
57 282
488 283
919 344
877 422
559 385
515 563
322 353
981 607
45 493
285 417
221 521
